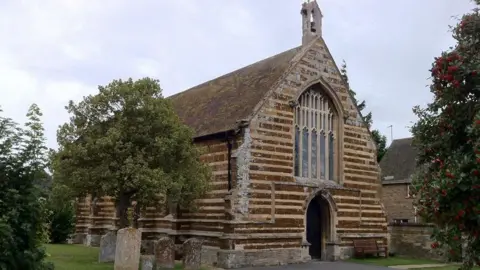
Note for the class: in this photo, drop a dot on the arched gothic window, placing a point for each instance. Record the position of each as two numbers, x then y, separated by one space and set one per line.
315 126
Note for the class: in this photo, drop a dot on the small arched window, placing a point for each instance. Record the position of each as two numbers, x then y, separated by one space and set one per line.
315 136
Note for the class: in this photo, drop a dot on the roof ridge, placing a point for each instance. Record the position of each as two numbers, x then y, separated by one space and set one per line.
216 105
405 138
399 160
292 63
230 73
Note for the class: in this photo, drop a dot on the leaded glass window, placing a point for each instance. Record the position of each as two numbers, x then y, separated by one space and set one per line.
315 136
305 148
297 150
314 151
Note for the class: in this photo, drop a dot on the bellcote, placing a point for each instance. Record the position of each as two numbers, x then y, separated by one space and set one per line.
311 21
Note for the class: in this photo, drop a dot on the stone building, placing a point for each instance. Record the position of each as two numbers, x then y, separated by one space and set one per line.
295 171
397 167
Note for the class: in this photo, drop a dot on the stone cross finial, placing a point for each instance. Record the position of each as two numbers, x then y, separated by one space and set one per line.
311 20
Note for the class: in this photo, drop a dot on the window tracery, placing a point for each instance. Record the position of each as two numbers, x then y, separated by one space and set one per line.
315 124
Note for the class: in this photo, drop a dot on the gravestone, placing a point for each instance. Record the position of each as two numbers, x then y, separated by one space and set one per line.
127 253
147 262
192 254
108 242
164 253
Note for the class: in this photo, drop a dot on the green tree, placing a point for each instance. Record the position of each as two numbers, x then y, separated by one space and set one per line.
22 207
34 139
379 139
61 208
36 150
127 142
447 135
381 142
61 218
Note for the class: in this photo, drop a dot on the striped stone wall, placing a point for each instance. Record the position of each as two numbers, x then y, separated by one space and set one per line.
207 222
82 220
93 219
276 198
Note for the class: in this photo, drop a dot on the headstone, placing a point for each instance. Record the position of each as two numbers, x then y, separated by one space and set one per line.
192 254
148 247
127 252
164 253
108 242
147 262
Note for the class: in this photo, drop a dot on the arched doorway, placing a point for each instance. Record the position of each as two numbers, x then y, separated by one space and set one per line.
318 227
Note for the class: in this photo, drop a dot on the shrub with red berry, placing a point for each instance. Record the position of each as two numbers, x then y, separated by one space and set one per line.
447 135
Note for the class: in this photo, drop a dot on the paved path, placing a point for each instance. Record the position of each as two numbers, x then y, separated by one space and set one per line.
319 265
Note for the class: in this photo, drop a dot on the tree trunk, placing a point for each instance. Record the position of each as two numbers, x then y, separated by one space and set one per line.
122 204
136 215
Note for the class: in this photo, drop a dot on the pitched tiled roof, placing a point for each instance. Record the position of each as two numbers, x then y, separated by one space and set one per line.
399 161
216 105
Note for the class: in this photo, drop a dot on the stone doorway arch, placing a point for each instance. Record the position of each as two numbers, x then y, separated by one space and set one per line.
319 230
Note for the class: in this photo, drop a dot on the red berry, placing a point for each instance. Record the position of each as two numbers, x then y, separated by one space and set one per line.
476 172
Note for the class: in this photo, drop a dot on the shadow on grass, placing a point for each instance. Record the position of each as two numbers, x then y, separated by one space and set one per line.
390 261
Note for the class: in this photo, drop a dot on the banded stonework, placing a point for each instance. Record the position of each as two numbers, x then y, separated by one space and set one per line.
82 215
287 185
94 218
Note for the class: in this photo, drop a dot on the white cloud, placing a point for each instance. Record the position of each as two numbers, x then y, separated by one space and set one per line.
148 67
60 92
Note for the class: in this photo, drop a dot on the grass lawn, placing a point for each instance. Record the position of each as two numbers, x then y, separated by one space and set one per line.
393 261
76 257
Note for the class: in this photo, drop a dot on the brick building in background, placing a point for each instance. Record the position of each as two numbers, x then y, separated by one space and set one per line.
397 167
295 171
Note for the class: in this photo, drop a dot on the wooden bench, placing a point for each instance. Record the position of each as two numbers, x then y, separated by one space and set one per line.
368 246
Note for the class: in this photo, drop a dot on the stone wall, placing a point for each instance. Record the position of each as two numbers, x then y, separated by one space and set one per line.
206 223
82 215
276 200
412 240
396 202
93 219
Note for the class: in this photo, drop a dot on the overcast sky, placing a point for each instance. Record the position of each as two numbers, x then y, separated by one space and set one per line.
52 51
